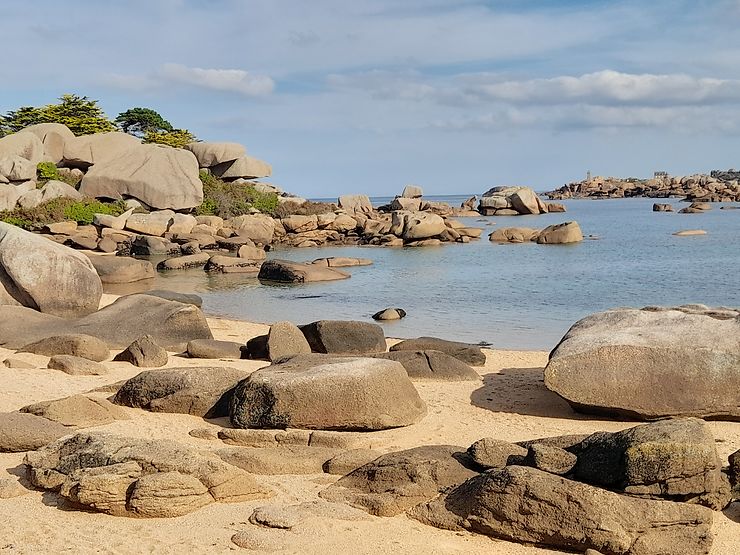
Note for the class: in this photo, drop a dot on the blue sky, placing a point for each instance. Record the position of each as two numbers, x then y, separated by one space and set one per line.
367 96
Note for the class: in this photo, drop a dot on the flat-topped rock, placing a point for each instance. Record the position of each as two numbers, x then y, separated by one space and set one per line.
77 411
467 353
327 393
342 262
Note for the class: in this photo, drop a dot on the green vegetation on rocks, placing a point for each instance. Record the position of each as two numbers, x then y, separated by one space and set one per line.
233 199
58 210
47 171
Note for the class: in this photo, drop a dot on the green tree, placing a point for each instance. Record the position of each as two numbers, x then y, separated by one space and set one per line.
82 115
177 138
140 121
15 120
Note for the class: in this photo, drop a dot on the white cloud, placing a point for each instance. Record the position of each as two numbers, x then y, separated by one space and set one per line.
226 80
613 87
230 80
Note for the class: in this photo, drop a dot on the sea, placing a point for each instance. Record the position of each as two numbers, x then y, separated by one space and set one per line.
511 296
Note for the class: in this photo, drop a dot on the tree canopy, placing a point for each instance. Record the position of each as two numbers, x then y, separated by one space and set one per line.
142 121
82 115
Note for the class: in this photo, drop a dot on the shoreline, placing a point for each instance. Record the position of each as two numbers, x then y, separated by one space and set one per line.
510 402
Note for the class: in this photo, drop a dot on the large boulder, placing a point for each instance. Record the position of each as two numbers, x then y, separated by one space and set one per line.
245 167
670 459
524 504
86 150
54 137
204 392
126 476
170 323
422 225
470 354
211 154
431 365
327 393
395 482
412 191
23 144
286 271
614 362
560 234
24 432
344 337
46 276
121 269
524 201
159 176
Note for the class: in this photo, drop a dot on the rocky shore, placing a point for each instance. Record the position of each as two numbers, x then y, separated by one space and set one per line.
719 186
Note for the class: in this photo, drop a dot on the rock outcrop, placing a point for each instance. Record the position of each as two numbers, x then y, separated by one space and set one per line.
125 476
523 504
467 353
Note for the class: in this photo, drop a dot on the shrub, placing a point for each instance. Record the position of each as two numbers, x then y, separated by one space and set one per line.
60 209
308 208
233 199
176 138
46 171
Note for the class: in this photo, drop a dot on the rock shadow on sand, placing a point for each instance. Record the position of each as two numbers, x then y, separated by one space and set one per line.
521 391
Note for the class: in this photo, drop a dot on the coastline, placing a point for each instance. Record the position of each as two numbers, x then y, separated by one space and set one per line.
510 403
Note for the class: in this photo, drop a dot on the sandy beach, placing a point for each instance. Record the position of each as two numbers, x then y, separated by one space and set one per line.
509 403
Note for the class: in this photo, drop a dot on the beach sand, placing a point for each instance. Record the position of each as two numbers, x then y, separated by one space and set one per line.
509 403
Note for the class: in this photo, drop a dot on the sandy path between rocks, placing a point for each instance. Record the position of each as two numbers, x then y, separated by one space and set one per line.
510 403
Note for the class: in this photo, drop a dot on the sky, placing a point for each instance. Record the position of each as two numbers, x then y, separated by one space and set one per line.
366 96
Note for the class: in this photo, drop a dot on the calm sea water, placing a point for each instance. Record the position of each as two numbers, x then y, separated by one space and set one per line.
513 296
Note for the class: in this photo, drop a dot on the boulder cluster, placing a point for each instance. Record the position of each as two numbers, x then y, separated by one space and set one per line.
646 490
515 201
716 187
115 166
